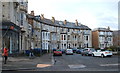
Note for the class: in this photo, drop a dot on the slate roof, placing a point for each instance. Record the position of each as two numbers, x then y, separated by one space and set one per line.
102 29
58 23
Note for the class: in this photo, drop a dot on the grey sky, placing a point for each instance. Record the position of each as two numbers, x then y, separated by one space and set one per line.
93 13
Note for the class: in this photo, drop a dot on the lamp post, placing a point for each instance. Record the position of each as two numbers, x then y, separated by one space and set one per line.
41 40
82 37
40 33
106 39
67 39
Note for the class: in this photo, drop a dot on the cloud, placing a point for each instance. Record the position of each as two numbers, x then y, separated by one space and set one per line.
93 13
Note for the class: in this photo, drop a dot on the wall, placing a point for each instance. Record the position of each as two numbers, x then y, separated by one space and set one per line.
95 39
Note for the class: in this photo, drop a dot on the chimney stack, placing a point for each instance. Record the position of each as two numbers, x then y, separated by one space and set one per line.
42 16
32 13
108 28
65 21
53 19
76 22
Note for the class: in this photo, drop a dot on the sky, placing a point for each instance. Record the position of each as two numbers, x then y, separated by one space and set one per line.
93 13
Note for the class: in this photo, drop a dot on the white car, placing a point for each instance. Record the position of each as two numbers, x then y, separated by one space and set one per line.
69 51
101 53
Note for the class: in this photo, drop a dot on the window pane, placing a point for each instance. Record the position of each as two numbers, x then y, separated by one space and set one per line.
64 37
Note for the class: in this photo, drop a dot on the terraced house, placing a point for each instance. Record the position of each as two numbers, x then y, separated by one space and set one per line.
14 25
22 31
62 34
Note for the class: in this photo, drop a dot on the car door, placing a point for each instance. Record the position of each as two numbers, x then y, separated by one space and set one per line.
98 53
86 51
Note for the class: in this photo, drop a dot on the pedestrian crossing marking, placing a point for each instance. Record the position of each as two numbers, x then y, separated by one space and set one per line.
77 66
109 64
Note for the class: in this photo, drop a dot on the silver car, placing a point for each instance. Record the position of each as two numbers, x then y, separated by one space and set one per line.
87 51
69 51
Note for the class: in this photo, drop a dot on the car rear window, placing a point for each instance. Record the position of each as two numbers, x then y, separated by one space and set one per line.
69 49
58 50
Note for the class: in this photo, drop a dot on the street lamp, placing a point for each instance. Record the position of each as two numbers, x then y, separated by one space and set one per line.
41 40
82 37
106 41
41 33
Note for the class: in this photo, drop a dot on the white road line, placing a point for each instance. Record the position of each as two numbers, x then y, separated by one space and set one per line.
76 66
109 64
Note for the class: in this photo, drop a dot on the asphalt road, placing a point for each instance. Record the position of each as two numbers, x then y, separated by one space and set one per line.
77 62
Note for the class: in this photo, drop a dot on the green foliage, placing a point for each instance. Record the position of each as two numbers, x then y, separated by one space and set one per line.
79 48
112 48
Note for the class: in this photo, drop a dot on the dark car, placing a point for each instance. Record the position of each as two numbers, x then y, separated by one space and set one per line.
87 51
54 49
79 51
74 50
63 50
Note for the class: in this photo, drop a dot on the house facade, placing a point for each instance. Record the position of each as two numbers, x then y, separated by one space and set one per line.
63 34
14 25
22 31
102 37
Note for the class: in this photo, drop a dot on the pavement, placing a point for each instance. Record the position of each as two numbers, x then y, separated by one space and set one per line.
74 62
25 63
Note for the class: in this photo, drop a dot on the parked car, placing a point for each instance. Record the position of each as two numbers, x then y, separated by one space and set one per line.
74 50
57 52
54 49
78 51
63 50
102 53
69 51
87 51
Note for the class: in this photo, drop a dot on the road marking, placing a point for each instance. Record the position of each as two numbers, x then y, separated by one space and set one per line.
43 65
109 64
77 66
53 62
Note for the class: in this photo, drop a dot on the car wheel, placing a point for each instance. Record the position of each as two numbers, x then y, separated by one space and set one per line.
86 54
102 55
93 55
82 54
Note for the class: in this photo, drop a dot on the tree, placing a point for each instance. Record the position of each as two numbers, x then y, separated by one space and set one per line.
112 48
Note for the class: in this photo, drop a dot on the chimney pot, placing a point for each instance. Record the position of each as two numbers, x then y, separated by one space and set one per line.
42 16
65 21
76 22
53 19
32 13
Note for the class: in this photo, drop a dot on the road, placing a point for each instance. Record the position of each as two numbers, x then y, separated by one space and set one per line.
77 62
